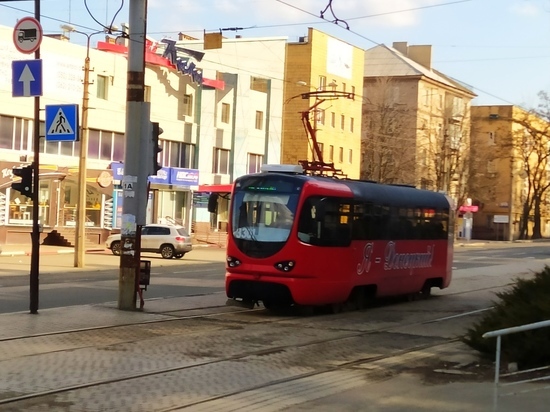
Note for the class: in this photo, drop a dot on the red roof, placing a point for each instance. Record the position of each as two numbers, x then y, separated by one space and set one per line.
216 188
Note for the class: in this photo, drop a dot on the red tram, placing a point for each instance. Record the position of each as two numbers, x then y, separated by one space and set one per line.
297 239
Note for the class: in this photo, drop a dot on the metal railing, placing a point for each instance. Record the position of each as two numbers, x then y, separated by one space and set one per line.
508 331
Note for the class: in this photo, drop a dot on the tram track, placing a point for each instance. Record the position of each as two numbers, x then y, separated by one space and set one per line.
37 396
229 311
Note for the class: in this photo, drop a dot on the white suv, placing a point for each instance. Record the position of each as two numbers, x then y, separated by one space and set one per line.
168 240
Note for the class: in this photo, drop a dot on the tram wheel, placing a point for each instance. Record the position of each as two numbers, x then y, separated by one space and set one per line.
426 291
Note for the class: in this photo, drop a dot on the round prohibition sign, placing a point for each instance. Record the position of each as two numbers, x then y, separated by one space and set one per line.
27 35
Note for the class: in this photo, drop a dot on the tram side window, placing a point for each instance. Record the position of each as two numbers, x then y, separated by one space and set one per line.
379 222
325 221
371 221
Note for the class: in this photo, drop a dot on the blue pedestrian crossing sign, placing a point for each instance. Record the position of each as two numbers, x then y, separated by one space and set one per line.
62 123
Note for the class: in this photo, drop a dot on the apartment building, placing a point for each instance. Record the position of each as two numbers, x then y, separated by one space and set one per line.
510 158
220 112
240 122
322 88
416 121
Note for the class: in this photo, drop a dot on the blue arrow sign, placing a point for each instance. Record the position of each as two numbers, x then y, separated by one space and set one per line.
62 123
26 78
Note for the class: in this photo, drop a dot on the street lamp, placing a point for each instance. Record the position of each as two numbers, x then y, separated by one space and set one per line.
80 244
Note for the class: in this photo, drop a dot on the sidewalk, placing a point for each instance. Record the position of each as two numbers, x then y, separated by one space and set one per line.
26 250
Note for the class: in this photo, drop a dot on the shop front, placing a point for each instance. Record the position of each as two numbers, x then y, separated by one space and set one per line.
211 207
57 202
169 199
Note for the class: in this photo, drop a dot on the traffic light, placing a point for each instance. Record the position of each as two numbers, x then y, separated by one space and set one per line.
25 184
156 148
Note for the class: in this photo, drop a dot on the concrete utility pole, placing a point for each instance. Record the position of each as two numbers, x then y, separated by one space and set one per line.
134 180
80 244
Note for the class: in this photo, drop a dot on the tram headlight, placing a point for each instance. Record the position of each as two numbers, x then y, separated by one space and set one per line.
232 262
285 266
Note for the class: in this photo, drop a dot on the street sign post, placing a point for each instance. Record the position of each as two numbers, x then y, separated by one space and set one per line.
26 78
27 35
62 123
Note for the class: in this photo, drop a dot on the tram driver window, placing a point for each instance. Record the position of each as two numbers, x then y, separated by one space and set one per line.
325 221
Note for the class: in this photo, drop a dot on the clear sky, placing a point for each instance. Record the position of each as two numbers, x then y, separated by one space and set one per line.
500 48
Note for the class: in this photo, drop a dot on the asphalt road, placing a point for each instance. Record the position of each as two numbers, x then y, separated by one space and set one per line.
61 284
199 272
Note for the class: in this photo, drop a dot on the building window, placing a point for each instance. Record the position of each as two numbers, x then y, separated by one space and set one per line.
225 112
187 155
341 155
344 87
333 119
188 105
221 161
102 86
6 132
66 149
118 147
254 163
320 116
353 92
322 82
331 153
177 154
492 138
321 146
259 120
351 124
491 167
342 122
93 144
350 156
106 146
426 97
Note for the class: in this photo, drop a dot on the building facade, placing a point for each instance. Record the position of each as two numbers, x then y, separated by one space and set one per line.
416 121
315 66
220 113
510 149
240 122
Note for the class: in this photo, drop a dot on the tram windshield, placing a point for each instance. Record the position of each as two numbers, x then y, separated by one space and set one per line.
264 210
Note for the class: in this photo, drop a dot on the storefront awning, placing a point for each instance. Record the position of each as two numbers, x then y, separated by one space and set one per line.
216 188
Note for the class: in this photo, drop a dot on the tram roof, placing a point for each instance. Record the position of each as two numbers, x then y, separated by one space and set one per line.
394 195
385 194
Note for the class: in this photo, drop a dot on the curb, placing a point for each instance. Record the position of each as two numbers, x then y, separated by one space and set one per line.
46 252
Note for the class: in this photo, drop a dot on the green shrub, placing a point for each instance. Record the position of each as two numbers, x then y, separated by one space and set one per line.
528 301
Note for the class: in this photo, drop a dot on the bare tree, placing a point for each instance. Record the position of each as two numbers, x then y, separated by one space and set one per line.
530 140
388 141
446 144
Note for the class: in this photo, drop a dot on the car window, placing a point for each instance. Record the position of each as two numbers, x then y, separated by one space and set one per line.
153 230
163 230
145 230
182 232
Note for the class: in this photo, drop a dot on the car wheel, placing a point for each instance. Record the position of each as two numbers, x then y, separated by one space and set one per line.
115 248
180 255
167 251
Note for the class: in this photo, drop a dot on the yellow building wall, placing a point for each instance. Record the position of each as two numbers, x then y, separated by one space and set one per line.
500 186
320 56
